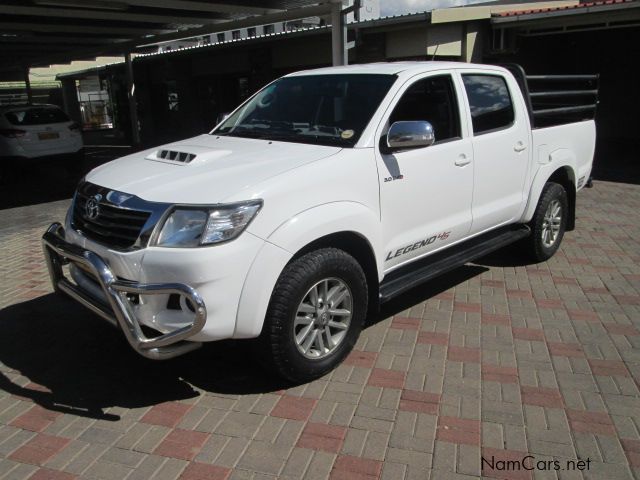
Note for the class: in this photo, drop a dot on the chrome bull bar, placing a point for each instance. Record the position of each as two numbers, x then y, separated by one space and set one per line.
119 311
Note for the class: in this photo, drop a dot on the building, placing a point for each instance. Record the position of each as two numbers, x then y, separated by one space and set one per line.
182 92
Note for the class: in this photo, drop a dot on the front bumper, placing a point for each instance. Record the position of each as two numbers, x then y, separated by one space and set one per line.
117 309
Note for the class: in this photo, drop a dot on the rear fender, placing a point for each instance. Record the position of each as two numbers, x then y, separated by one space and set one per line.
548 164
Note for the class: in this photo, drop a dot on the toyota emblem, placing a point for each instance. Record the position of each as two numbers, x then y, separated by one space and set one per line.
92 207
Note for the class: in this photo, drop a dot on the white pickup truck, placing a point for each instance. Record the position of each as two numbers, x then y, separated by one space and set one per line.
325 193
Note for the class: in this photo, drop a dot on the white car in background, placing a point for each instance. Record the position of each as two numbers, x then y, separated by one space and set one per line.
38 130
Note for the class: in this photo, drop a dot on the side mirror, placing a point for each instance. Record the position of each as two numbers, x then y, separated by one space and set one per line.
414 134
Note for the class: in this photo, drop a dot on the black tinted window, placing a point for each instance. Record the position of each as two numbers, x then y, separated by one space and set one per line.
432 99
490 103
36 116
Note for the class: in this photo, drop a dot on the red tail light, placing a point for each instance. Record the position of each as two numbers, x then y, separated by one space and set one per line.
12 132
74 127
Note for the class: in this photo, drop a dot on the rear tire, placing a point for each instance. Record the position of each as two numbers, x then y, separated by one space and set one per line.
315 315
549 223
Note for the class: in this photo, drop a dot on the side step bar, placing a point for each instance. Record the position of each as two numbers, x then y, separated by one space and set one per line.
405 278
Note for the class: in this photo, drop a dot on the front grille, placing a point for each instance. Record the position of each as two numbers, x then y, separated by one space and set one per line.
113 226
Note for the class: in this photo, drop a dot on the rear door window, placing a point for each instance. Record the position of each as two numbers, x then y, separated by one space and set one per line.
489 101
36 116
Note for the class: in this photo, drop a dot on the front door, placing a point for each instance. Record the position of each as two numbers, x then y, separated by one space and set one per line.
426 193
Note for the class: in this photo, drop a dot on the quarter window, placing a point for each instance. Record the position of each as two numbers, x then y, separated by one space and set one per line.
489 101
433 100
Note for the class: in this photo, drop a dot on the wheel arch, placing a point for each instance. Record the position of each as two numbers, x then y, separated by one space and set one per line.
562 173
350 226
566 177
359 248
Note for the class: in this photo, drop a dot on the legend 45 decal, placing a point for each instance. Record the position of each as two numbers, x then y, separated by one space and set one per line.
422 243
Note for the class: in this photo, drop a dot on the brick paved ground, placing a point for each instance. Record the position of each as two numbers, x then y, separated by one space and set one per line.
498 359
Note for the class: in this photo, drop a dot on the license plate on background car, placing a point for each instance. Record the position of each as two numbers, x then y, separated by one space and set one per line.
48 135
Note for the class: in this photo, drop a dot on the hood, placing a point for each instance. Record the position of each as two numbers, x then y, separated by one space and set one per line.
205 169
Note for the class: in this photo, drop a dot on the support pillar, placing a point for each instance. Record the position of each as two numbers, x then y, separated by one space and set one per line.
338 34
133 106
27 84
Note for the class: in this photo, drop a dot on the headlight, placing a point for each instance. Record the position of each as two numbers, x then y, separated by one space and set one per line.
196 226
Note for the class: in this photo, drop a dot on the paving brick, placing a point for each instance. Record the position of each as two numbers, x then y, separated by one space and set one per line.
240 424
583 315
494 373
320 465
39 449
528 334
48 474
182 444
608 367
463 354
433 338
496 319
265 458
458 430
95 434
549 302
35 419
295 408
405 323
617 329
543 397
422 402
348 467
167 414
17 470
202 471
565 349
386 378
359 358
467 307
318 436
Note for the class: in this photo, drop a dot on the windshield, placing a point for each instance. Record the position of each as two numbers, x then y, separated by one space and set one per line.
318 109
36 116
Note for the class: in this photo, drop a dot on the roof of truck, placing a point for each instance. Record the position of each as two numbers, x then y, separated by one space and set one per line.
391 68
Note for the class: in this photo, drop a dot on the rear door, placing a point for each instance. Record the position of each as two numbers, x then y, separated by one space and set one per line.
501 148
425 193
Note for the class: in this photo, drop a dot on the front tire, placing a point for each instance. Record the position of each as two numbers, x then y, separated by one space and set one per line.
315 314
549 223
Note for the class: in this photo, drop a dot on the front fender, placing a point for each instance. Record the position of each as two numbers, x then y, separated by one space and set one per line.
317 222
282 244
548 164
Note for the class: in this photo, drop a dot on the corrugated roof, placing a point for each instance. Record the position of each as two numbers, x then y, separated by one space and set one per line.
387 20
515 13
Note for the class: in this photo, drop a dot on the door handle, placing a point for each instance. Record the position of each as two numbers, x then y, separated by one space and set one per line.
462 160
519 147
